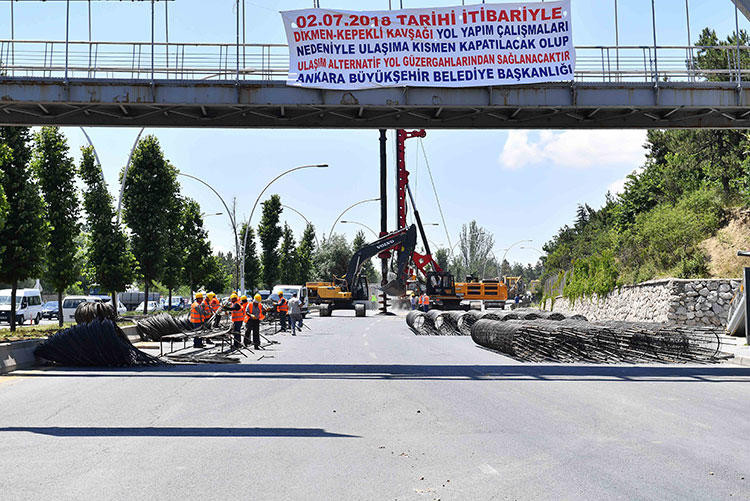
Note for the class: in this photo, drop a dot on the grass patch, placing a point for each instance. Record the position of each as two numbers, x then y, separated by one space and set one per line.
30 332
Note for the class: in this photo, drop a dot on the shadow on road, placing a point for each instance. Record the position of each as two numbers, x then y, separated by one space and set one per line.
521 372
100 431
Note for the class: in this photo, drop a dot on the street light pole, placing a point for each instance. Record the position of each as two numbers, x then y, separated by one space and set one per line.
361 224
230 213
330 233
303 217
249 219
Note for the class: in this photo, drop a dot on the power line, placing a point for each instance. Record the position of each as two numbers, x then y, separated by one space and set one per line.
434 190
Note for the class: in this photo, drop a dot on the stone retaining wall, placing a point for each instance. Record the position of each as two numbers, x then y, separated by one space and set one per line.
686 302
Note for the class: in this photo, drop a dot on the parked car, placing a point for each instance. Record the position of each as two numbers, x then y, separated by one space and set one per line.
28 305
50 310
70 303
120 307
152 306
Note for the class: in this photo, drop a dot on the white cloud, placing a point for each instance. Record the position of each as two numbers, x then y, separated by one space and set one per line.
577 149
618 186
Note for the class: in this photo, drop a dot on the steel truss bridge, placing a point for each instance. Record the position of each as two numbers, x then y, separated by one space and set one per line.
243 85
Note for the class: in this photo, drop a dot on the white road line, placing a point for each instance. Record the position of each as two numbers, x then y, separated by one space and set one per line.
489 470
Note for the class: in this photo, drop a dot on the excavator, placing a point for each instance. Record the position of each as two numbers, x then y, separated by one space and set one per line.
352 291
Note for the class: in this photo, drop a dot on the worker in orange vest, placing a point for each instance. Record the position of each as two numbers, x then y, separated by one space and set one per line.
282 306
425 303
254 314
197 312
237 311
213 307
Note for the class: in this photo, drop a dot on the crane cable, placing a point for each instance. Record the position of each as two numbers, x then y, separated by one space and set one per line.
434 190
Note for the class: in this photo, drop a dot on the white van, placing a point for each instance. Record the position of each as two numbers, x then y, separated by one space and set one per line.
70 303
288 290
28 306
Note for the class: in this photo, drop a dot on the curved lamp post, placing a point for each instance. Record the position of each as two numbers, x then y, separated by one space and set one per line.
533 248
303 217
230 213
125 174
360 224
249 219
330 233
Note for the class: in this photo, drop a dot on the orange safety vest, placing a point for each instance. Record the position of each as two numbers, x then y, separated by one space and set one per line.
196 313
238 315
420 300
426 300
283 305
252 310
214 305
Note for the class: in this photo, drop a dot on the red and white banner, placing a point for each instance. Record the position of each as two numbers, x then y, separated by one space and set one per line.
476 45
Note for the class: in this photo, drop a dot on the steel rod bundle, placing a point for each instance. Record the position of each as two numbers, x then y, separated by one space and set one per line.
153 328
88 312
467 321
613 342
415 321
99 343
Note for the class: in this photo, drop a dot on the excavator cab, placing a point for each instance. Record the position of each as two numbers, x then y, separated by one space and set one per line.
440 283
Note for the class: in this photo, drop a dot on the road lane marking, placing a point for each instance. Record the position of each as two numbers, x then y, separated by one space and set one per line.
489 470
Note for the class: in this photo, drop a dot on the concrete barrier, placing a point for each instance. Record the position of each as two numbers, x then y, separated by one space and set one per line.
18 355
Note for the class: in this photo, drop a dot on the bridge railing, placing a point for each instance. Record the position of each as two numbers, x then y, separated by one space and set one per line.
263 62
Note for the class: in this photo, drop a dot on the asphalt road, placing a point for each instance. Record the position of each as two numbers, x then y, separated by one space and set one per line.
363 409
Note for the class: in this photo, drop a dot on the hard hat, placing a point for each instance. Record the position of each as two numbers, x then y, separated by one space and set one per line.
233 296
199 295
243 298
210 295
258 297
281 293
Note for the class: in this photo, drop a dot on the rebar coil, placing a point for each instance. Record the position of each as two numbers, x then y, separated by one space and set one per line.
415 321
98 343
467 320
153 328
613 342
88 312
449 324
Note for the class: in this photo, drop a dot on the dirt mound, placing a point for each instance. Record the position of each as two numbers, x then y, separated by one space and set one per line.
722 248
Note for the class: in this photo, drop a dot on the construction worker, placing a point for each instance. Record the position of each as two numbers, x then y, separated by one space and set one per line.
413 300
282 306
238 317
213 307
254 314
425 303
197 312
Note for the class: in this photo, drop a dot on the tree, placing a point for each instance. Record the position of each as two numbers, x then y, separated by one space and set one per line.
367 267
218 275
150 190
711 58
56 172
24 235
332 258
442 257
288 258
107 251
198 257
252 263
5 156
270 233
475 248
174 250
305 252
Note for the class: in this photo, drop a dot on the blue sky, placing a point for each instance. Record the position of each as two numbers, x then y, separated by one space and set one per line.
518 184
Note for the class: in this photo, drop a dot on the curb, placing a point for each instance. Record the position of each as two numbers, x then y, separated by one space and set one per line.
18 355
740 360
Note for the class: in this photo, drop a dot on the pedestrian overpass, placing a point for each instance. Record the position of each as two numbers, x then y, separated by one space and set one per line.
44 82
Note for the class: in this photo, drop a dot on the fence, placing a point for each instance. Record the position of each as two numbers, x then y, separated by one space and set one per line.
264 62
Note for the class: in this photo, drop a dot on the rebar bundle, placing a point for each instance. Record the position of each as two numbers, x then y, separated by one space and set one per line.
99 343
155 327
88 312
612 342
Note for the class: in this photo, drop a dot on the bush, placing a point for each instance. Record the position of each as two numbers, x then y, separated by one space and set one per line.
597 274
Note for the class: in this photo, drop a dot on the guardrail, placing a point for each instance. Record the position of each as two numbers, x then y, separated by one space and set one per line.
262 62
